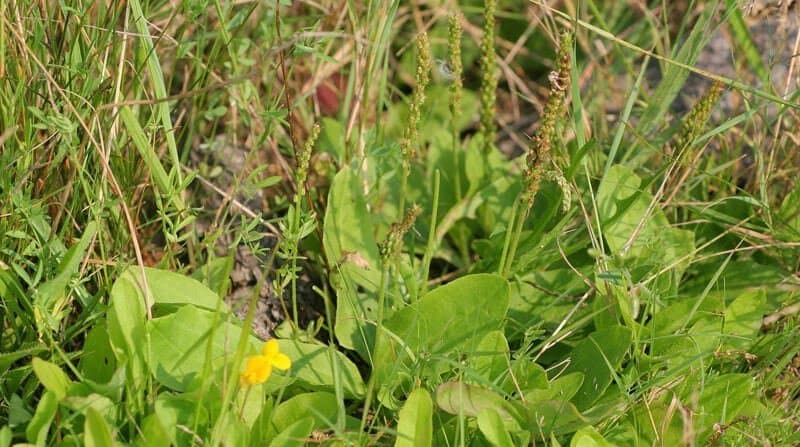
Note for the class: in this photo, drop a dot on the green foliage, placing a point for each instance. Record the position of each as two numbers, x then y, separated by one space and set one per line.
154 170
415 421
448 320
353 259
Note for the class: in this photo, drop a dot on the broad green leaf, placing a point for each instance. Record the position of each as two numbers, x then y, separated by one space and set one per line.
679 350
173 410
313 367
588 437
18 414
624 205
468 206
530 306
490 359
493 428
539 248
743 318
705 336
738 275
597 357
126 326
670 432
71 440
180 341
670 319
721 401
527 375
97 362
415 426
788 216
36 431
51 376
322 407
554 417
628 306
173 288
112 388
250 405
153 433
235 433
462 398
99 403
353 259
5 436
500 194
294 435
439 107
562 388
452 318
261 427
96 432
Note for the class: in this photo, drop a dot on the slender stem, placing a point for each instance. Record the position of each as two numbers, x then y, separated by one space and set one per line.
426 259
379 327
403 187
512 251
507 242
293 276
461 240
457 160
381 302
244 402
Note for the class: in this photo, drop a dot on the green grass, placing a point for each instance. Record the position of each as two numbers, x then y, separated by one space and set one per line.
633 282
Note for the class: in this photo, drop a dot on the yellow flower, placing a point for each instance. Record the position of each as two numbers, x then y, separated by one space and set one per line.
259 367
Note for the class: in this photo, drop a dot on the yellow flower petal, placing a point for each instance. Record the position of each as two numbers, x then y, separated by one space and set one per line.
259 367
281 361
258 370
271 348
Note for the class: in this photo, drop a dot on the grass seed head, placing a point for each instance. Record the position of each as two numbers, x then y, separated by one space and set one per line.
540 152
488 61
410 142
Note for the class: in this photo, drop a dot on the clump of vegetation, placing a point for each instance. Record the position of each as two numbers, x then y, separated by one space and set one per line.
491 225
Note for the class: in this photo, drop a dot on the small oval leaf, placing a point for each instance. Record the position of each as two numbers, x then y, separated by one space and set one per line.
415 428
